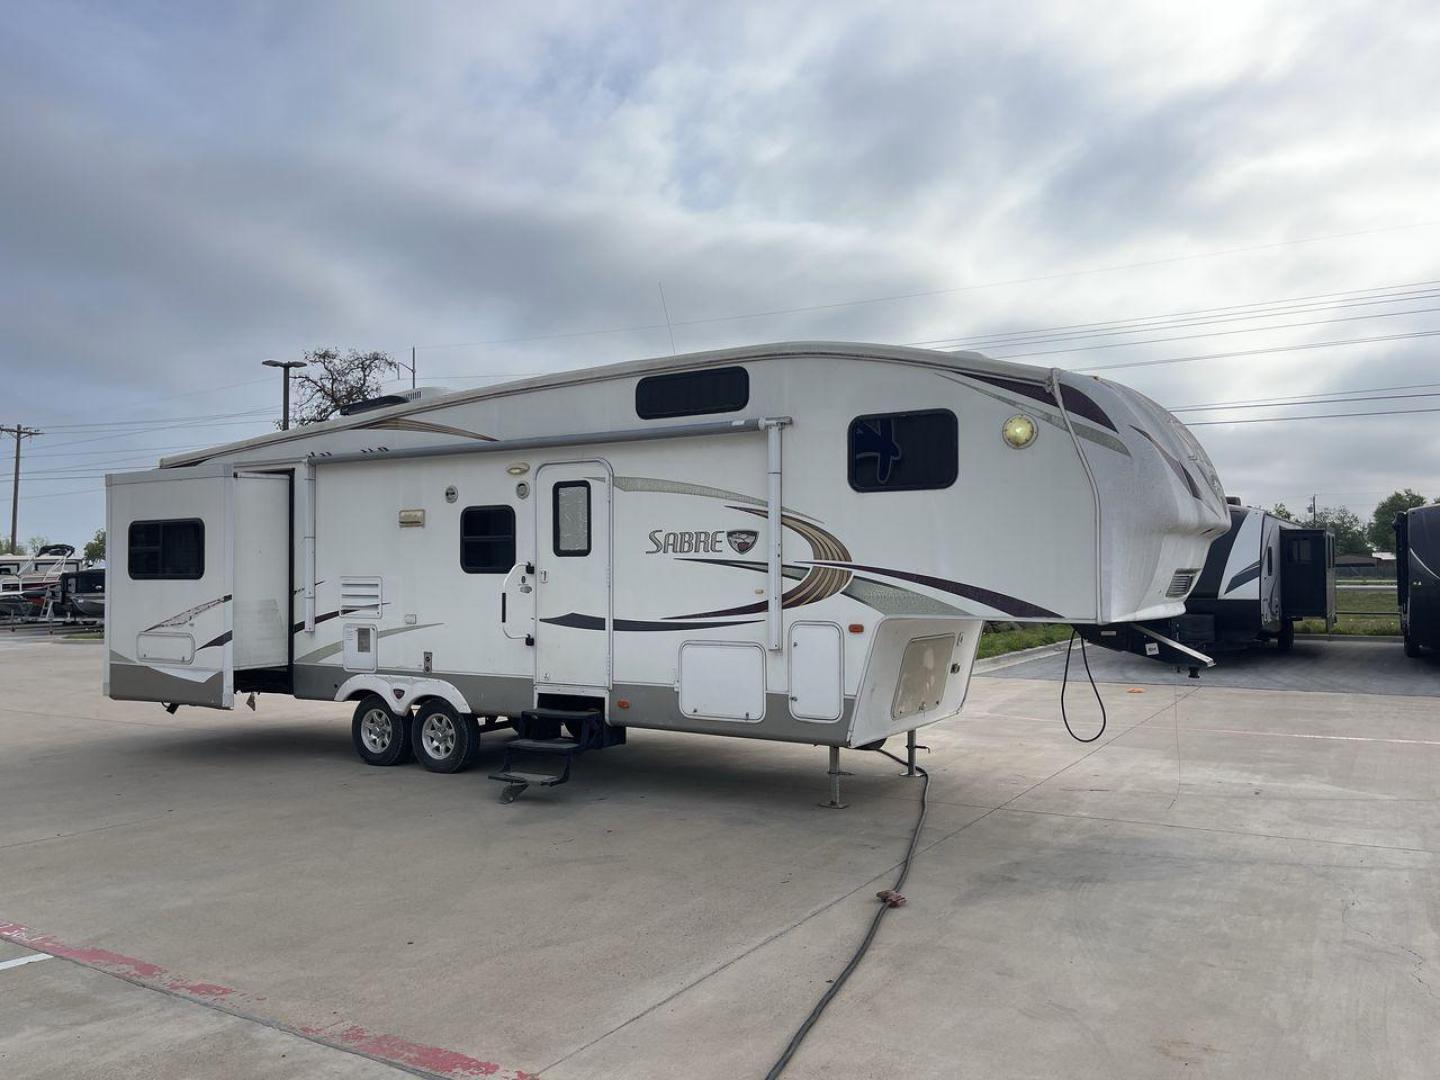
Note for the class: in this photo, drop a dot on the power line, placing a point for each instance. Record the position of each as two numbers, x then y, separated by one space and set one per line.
892 297
192 393
1198 317
1288 404
1312 416
1261 352
1318 393
158 421
1223 333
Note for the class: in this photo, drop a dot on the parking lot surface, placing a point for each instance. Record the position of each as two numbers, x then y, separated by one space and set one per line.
1231 882
1340 665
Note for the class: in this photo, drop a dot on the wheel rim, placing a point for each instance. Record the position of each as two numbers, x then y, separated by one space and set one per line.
437 735
376 731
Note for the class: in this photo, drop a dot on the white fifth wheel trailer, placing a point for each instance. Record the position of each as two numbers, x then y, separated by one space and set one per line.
796 542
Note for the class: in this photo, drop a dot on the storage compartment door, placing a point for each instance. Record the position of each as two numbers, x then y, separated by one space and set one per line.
168 628
1307 582
817 671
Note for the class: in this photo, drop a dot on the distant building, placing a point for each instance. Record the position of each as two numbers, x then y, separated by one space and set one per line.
1376 564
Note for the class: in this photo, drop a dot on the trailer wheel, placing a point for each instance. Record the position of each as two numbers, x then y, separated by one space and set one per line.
444 741
1285 640
1412 650
380 737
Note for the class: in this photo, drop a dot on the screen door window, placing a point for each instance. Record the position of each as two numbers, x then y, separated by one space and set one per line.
572 518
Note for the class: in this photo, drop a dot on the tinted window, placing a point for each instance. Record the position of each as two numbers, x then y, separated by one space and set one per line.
907 451
487 539
692 393
571 513
167 550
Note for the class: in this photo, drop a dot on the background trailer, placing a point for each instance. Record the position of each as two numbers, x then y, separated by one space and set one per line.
1261 577
1417 577
797 542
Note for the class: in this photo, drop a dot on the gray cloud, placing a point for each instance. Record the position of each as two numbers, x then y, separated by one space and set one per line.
185 191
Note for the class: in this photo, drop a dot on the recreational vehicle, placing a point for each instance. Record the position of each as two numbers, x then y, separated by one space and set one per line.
1417 577
794 542
1259 579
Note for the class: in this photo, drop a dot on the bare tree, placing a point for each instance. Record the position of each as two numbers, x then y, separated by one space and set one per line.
332 381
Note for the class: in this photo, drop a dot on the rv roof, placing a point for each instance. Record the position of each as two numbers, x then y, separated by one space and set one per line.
965 361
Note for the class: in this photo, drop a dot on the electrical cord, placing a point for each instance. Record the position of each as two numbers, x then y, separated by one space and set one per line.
888 899
1065 681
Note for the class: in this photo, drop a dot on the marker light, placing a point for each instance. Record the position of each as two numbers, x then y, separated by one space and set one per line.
1019 431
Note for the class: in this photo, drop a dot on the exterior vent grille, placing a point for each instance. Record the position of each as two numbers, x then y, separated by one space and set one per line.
360 598
1181 583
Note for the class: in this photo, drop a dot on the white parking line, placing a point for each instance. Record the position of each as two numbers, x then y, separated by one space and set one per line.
31 959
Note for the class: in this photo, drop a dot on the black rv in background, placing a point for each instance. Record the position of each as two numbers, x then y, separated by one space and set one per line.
1417 577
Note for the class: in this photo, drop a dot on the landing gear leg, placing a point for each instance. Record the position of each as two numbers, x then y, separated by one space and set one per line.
835 774
910 752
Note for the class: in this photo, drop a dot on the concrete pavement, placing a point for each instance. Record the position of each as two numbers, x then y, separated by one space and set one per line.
1230 882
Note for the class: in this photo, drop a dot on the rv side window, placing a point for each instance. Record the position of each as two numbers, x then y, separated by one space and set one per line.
692 393
167 550
487 539
571 514
909 451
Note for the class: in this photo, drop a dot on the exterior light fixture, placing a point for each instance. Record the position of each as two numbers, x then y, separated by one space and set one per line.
1019 431
520 468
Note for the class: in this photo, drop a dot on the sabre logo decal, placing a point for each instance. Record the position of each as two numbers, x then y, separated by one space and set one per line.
712 541
742 540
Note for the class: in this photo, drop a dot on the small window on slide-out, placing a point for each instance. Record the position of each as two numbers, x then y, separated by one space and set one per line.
570 512
171 550
904 451
487 539
692 393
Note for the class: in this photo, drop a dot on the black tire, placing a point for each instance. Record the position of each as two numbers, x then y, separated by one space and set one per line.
1413 650
376 743
442 739
1285 640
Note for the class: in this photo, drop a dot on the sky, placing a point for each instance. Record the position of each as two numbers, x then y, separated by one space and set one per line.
186 190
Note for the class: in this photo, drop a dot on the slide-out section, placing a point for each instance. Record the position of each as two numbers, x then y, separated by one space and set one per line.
184 544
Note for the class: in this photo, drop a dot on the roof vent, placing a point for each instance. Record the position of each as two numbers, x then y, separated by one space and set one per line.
400 397
1232 500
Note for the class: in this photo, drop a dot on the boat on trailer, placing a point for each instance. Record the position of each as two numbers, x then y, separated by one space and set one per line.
798 542
28 586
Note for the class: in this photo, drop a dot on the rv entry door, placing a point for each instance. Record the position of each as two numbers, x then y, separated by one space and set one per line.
573 617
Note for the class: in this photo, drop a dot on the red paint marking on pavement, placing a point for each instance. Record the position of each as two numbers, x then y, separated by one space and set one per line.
345 1036
430 1058
114 963
204 990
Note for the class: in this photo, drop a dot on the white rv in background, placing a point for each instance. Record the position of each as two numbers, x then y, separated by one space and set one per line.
796 542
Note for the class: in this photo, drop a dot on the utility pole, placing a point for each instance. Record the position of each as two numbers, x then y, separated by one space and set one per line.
285 366
1312 509
401 363
20 431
